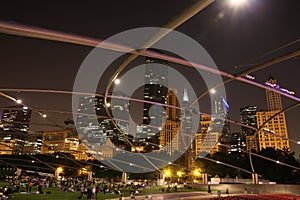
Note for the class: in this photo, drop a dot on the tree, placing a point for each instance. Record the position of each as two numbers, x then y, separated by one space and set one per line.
275 171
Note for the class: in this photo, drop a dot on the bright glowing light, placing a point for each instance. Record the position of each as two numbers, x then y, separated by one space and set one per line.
25 107
117 81
19 101
108 105
167 173
213 91
277 162
196 172
44 115
59 170
32 161
237 3
218 162
180 173
298 142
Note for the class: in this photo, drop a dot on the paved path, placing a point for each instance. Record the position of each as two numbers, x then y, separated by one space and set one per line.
176 196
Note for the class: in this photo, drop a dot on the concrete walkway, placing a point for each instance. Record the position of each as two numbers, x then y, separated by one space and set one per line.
174 196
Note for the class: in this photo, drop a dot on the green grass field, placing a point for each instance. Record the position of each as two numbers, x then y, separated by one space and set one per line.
57 194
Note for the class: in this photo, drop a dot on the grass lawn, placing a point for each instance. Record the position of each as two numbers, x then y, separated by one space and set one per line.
57 194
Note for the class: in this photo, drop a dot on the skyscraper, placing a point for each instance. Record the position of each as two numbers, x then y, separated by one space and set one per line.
155 90
276 131
96 129
275 126
170 129
16 119
238 143
273 98
173 114
220 110
248 117
89 125
206 140
187 135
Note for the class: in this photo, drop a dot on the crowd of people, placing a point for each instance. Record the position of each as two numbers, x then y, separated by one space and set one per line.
86 189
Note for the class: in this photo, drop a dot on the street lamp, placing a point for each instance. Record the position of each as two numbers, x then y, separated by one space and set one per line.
197 174
180 173
213 91
167 173
237 3
59 170
18 101
117 81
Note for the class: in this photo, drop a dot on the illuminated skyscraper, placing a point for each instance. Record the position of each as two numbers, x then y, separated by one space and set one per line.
276 127
199 137
16 118
248 117
96 127
238 143
273 98
220 110
173 114
155 90
89 124
170 129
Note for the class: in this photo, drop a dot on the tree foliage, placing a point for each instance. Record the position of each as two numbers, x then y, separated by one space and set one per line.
269 170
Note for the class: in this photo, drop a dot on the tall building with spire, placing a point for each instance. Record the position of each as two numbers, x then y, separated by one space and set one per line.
220 125
275 132
187 134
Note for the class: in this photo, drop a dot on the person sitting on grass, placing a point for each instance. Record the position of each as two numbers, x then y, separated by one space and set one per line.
121 197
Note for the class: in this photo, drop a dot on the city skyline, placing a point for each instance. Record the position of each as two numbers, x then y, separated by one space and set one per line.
58 61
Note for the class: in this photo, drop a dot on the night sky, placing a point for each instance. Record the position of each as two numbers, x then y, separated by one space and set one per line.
232 37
